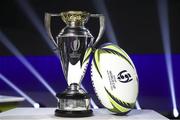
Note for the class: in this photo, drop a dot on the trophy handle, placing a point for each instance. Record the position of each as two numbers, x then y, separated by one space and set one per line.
102 26
47 21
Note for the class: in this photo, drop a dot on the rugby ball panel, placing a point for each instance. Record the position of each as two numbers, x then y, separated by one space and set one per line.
119 50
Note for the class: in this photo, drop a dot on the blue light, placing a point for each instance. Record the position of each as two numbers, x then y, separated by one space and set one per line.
137 105
164 26
28 11
101 7
8 82
21 58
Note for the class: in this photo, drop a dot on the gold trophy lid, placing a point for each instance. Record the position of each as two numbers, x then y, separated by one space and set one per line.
75 18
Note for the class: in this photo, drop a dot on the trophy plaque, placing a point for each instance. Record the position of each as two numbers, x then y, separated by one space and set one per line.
74 44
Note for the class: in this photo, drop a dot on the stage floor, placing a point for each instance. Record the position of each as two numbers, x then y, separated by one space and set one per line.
99 114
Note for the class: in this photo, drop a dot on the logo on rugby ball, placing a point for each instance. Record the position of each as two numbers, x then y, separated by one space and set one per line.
124 76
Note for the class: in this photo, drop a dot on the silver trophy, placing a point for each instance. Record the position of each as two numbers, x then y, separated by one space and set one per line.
74 43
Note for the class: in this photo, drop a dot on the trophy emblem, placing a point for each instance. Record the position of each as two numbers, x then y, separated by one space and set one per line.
74 43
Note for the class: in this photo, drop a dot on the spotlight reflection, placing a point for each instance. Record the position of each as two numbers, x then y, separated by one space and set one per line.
165 33
23 60
101 7
8 82
137 105
29 12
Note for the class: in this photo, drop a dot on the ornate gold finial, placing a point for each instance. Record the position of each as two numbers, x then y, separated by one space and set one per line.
75 17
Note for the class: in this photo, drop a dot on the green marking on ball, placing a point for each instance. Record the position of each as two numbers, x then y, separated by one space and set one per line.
116 48
120 102
87 54
118 54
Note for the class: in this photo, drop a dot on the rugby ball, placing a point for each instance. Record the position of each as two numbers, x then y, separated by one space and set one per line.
114 78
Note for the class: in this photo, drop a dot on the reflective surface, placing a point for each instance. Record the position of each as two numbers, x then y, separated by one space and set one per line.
74 105
72 45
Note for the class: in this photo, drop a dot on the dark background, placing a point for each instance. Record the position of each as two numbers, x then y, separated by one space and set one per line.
137 29
135 23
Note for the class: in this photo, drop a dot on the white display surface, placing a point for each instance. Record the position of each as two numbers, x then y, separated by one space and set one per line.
99 114
4 99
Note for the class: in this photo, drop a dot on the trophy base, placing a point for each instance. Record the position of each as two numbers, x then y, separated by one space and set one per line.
65 113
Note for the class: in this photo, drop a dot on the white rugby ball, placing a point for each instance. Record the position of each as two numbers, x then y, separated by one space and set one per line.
114 79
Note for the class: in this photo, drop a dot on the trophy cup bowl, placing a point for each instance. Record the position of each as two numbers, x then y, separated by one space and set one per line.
74 44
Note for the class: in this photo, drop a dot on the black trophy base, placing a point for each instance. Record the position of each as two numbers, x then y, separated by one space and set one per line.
64 113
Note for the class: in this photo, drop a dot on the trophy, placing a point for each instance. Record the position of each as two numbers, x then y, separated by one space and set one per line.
74 44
